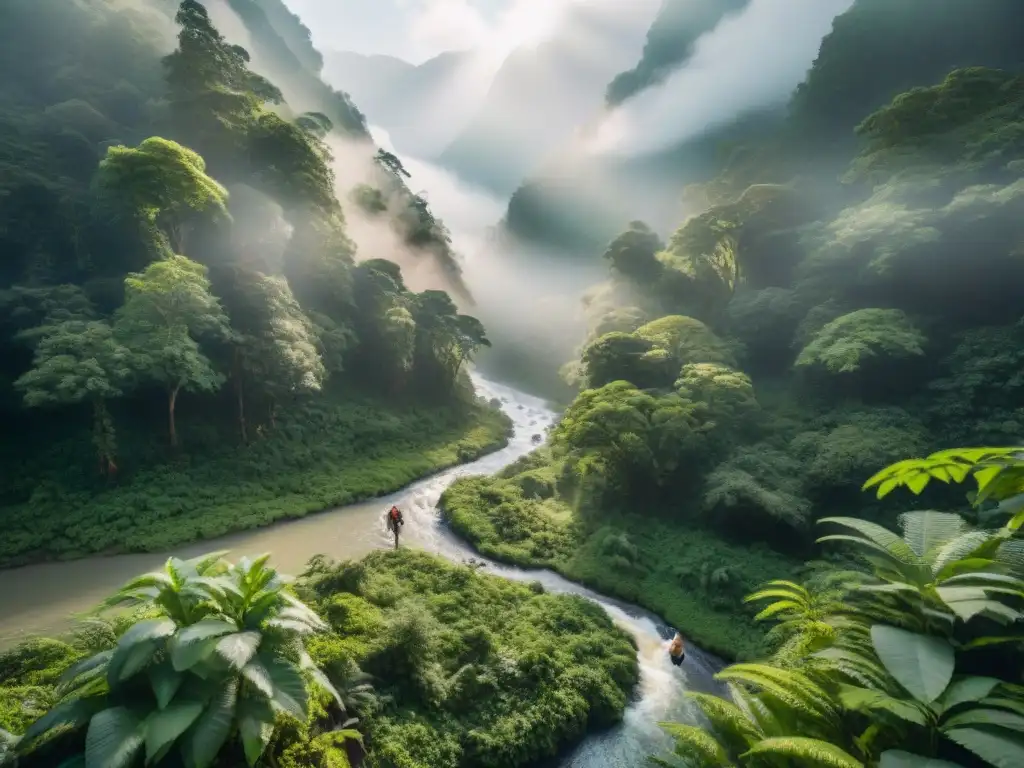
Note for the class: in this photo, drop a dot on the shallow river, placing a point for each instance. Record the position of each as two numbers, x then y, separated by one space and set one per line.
41 599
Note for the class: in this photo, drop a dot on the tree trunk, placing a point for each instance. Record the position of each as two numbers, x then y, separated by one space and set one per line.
103 437
240 395
170 416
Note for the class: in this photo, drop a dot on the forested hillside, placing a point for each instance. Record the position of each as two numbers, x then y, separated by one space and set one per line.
876 49
188 344
743 379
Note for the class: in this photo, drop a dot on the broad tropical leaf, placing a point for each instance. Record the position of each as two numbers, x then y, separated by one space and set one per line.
73 713
165 725
1002 751
866 700
920 663
165 681
206 737
290 694
114 737
966 689
238 648
256 726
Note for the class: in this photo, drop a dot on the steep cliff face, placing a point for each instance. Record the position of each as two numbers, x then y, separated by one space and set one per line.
542 95
875 50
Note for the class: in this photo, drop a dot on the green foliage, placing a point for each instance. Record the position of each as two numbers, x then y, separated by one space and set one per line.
471 668
971 125
847 343
650 356
877 49
688 575
630 439
220 658
125 274
80 361
889 646
322 454
159 183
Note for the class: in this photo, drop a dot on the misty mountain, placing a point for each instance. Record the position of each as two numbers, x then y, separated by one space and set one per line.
422 107
670 42
542 94
875 50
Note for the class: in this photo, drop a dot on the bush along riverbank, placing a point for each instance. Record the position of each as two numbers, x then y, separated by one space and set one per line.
320 455
692 577
423 663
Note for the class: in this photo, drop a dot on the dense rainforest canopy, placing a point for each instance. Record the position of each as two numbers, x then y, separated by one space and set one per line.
172 233
192 344
811 321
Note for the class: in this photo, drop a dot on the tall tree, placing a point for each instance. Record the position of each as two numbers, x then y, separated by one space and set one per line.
167 308
80 361
445 339
213 94
276 347
162 185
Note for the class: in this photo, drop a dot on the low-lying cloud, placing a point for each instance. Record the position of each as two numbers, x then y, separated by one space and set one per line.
752 60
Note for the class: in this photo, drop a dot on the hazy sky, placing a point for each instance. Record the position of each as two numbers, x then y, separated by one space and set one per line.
416 30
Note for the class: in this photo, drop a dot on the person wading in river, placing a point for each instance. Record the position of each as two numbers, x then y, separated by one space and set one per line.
394 521
675 650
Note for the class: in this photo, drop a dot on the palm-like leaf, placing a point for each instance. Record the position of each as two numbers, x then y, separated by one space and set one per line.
224 655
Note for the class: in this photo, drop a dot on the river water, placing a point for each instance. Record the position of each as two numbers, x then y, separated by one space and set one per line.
43 599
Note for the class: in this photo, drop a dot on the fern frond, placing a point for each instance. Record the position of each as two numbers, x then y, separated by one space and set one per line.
805 751
696 743
795 690
731 722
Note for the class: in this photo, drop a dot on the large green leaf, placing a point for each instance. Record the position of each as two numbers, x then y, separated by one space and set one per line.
895 758
805 751
1002 751
239 647
206 737
130 659
256 726
85 665
867 700
966 689
72 714
165 681
165 725
308 665
986 717
290 694
114 737
920 663
194 643
256 673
